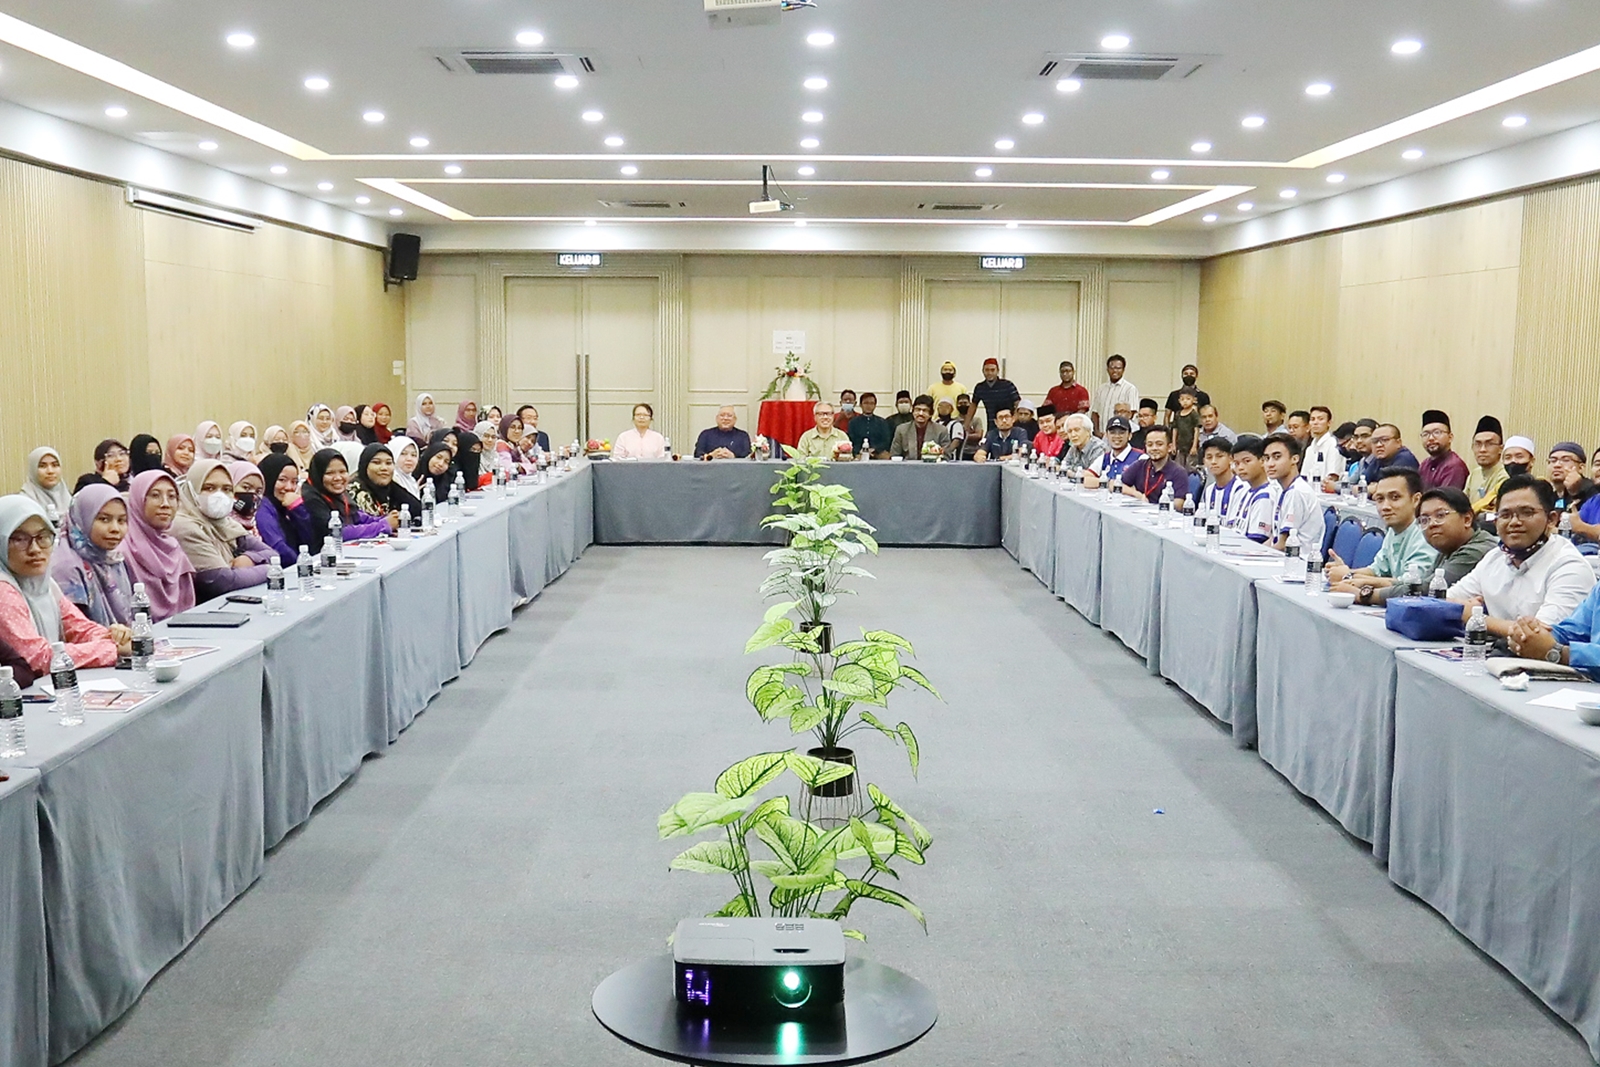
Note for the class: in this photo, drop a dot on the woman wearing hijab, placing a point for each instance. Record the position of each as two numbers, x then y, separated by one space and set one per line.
492 414
425 423
469 461
302 445
88 565
320 419
380 422
439 469
42 484
275 439
450 438
179 455
351 451
325 493
154 556
406 457
366 425
33 611
376 490
224 555
144 454
208 439
466 415
110 467
241 444
533 438
345 425
282 521
248 487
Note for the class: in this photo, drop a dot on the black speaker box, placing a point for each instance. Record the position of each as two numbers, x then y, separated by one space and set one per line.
405 252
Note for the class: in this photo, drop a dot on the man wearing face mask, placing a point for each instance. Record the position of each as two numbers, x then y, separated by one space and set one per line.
902 412
847 409
972 428
1190 375
1490 474
1518 455
946 388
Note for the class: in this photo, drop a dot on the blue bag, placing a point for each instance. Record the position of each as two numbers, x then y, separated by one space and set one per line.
1422 618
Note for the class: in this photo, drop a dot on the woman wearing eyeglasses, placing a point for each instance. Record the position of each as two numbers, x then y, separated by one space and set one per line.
111 463
33 611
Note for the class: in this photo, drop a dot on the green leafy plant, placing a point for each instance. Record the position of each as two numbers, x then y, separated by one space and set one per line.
794 867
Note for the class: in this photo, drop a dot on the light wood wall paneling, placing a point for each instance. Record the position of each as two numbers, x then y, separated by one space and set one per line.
1556 365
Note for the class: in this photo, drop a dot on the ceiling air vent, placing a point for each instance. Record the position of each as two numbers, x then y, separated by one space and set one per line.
1120 66
653 205
931 206
502 61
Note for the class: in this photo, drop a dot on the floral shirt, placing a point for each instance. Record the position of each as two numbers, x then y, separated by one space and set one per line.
88 643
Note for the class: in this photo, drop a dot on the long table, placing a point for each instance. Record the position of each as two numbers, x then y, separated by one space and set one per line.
24 1022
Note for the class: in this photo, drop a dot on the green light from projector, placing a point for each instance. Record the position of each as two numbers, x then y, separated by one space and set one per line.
791 981
793 990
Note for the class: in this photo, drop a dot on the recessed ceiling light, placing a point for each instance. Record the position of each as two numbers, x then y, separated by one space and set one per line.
396 212
566 81
614 141
984 172
279 168
820 39
1514 122
1114 41
530 37
593 116
1011 225
453 169
1252 122
809 142
316 83
1200 146
1068 85
1406 47
363 199
629 169
207 146
372 116
1411 154
811 116
1318 89
1005 144
589 222
1032 118
1288 194
1161 175
806 172
326 187
115 112
241 40
1334 179
815 83
419 141
1245 205
1208 218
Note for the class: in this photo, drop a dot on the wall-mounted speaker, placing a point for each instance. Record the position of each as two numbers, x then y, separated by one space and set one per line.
405 253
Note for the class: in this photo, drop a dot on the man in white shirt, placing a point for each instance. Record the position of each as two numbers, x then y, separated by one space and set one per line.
1224 497
1258 510
1535 573
1322 455
1297 508
1117 390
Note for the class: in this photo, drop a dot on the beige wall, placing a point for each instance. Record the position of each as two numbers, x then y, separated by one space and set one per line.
487 326
116 321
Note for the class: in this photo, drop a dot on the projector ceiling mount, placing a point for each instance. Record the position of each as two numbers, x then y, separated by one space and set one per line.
729 14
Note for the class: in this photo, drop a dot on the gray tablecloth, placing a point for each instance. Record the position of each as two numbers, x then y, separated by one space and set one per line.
1131 548
1208 628
955 504
528 531
572 502
1495 809
484 585
150 824
24 1023
421 625
1077 556
1325 705
1028 508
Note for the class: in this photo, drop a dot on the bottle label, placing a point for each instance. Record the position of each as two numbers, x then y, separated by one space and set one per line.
64 680
10 707
275 582
305 569
144 646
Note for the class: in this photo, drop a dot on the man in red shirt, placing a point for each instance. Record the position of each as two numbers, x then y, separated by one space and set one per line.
1069 397
1046 441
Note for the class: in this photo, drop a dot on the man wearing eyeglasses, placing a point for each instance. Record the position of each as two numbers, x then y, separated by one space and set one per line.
1388 450
1443 468
1535 575
1446 521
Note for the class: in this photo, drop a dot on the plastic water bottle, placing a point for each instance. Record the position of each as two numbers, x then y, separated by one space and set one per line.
1475 642
1213 529
336 531
141 600
1439 585
276 593
428 504
13 738
667 445
403 531
305 569
457 491
329 562
1411 582
144 649
1294 566
1198 522
1361 487
1315 580
1165 503
64 676
1566 525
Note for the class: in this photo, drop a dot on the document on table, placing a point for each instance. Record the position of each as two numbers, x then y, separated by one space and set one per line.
1565 699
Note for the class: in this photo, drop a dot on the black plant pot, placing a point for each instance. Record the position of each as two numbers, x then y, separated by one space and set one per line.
824 632
839 787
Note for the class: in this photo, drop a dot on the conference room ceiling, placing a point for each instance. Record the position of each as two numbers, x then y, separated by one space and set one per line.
917 96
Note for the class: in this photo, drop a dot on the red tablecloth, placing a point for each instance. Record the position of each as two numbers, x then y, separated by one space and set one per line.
785 420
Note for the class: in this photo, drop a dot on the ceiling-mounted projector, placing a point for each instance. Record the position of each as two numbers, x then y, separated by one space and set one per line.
767 205
734 13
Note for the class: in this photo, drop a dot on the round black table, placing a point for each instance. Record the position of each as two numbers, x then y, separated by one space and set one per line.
884 1010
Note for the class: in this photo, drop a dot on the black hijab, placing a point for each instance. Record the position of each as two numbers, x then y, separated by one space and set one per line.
469 461
139 458
367 435
441 482
391 497
320 504
271 466
439 437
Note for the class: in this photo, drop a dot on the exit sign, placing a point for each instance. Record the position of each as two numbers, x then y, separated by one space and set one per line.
1002 262
578 259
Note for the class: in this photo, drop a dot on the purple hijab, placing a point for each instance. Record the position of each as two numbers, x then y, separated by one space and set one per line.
154 556
88 574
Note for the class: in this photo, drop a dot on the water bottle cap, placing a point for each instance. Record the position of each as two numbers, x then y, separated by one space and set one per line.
58 646
138 587
5 674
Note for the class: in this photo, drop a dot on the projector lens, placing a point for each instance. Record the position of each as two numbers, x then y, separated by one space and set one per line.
793 990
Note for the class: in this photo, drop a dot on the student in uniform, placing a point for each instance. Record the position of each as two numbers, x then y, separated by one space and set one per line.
1297 506
1224 497
1258 509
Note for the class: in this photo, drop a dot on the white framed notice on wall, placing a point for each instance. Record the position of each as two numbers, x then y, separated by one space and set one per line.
786 341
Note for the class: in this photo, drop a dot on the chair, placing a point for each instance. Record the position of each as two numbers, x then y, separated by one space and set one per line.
1367 549
1330 522
1346 537
1195 482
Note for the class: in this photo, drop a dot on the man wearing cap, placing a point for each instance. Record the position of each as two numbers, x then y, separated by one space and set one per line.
1117 456
1002 440
1069 397
1022 418
1046 441
946 388
1153 473
1083 449
1573 488
869 432
1484 484
1116 390
820 442
1443 469
902 411
995 392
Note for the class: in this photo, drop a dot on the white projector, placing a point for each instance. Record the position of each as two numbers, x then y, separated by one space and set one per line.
730 13
768 207
759 967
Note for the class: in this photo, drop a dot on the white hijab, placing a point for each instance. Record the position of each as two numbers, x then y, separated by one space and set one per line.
55 502
318 438
408 482
41 592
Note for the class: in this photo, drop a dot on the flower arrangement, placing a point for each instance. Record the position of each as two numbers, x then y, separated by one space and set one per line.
791 370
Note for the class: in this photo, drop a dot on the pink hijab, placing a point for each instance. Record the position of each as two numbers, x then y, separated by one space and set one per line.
462 422
154 556
239 470
171 454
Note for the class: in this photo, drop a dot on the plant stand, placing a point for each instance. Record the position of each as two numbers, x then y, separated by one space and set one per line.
837 802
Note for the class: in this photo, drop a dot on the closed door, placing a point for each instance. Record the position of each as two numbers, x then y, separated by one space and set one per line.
1030 327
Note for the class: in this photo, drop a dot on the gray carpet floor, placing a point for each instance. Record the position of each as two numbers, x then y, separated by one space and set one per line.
458 901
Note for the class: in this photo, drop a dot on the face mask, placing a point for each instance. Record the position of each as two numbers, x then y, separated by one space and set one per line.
278 447
216 505
211 446
1348 453
962 409
948 375
247 444
347 427
244 505
1188 379
847 408
903 408
1515 469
